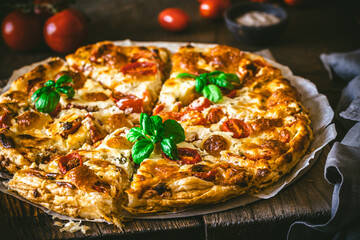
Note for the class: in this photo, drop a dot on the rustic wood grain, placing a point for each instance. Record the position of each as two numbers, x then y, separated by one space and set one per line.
35 224
326 26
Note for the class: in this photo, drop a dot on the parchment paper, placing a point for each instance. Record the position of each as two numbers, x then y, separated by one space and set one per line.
321 117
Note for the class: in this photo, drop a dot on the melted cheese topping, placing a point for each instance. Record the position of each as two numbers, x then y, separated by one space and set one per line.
80 156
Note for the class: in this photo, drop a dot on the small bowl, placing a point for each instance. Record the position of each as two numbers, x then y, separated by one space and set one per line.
255 35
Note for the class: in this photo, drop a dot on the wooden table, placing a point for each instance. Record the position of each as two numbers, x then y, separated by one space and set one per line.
326 26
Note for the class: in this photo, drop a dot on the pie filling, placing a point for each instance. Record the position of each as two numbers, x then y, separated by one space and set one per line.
77 159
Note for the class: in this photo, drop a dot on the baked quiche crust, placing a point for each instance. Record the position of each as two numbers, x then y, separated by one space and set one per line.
77 160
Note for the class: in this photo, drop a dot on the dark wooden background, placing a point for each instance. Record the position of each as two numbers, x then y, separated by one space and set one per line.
324 26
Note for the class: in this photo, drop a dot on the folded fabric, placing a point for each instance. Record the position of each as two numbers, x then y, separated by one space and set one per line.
353 111
343 170
345 65
342 166
348 108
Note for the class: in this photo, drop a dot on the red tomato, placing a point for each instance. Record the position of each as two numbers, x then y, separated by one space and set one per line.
295 2
65 31
262 1
238 127
200 104
207 176
232 94
21 31
186 156
213 9
139 68
173 19
215 115
130 103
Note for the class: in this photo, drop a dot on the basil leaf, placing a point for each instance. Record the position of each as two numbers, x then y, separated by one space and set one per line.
48 101
40 104
212 92
185 75
215 73
69 91
62 80
158 126
221 82
200 83
134 134
169 148
39 92
52 100
156 121
221 76
142 149
50 83
146 124
232 77
174 131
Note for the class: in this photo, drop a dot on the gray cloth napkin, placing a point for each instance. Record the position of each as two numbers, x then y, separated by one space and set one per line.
342 166
345 65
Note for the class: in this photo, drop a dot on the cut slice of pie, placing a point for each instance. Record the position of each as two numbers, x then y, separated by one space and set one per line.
84 183
134 74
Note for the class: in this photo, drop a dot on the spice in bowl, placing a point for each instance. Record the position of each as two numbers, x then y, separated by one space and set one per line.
257 19
256 23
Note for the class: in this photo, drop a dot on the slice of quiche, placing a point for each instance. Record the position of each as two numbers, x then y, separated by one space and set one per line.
84 183
247 141
29 136
135 74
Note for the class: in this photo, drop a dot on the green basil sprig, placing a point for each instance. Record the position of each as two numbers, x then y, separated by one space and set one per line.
208 83
47 97
152 131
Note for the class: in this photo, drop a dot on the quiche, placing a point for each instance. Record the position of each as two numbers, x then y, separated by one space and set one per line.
78 159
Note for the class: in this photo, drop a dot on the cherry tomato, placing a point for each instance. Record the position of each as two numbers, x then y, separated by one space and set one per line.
130 103
65 31
296 3
239 128
207 176
158 109
232 94
173 19
139 68
262 1
215 144
213 9
186 156
200 104
21 31
215 115
56 111
70 161
189 156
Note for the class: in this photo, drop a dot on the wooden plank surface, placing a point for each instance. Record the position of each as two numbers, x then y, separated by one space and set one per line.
326 26
35 224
